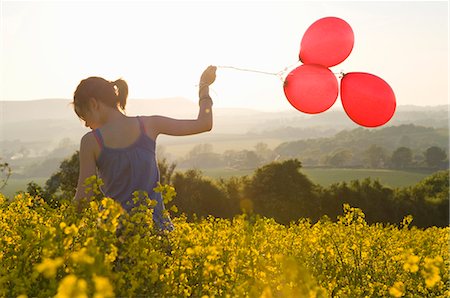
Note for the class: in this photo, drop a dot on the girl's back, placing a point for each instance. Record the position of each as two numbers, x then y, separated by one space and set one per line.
121 134
127 163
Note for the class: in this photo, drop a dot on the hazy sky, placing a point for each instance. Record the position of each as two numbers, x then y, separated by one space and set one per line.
161 48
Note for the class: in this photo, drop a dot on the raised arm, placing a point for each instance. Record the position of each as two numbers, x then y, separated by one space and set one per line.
169 126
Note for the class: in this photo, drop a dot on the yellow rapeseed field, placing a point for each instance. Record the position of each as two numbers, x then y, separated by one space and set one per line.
104 252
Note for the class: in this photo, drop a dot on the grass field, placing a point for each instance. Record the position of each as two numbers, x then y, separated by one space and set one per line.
17 184
326 177
391 178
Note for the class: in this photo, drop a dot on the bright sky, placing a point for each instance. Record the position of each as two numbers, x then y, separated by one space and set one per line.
162 47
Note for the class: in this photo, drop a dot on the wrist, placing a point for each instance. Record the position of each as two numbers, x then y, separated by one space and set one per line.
203 94
203 90
205 99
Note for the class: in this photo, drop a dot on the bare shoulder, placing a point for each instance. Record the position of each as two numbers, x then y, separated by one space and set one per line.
152 124
89 144
88 139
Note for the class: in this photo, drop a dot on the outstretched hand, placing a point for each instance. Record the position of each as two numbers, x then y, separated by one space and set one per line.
208 76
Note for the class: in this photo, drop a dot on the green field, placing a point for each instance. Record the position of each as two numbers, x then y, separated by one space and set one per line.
325 177
16 184
391 178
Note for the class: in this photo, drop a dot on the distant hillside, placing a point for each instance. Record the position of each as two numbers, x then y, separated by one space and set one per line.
356 141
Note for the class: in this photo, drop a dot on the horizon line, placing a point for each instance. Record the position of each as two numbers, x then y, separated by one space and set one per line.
182 98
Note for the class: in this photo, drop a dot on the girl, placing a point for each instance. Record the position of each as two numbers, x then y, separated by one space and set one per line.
122 148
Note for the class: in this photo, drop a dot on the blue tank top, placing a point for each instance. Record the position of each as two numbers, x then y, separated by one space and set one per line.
129 169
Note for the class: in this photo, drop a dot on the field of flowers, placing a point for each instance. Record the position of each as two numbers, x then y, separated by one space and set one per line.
103 252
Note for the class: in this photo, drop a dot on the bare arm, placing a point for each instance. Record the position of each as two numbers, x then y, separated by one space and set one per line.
176 127
164 125
87 165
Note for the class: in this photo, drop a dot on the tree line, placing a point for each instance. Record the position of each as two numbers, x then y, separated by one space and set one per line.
375 156
281 191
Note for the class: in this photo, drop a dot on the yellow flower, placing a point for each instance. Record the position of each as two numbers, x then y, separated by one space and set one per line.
49 266
8 240
81 256
103 288
93 205
267 293
71 286
71 230
431 271
411 264
88 241
112 255
398 289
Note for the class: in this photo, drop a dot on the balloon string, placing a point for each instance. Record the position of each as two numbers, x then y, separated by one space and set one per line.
278 74
250 70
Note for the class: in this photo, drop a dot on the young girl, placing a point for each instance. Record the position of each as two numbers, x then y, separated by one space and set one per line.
122 148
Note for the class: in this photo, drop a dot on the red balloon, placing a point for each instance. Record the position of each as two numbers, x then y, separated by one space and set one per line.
367 99
311 88
327 42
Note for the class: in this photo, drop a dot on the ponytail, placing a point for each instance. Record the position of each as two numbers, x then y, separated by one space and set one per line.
113 94
122 92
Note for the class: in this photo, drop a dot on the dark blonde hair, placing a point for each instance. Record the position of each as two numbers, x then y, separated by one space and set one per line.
113 94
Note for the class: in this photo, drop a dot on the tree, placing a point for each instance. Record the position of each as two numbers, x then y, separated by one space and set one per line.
435 156
401 157
200 149
166 171
244 159
250 159
263 152
340 158
61 185
5 172
231 159
369 195
201 196
427 201
375 156
202 155
65 180
281 191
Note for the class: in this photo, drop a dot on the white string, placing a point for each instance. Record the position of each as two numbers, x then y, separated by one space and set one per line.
278 74
251 70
